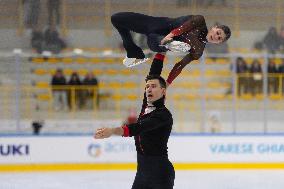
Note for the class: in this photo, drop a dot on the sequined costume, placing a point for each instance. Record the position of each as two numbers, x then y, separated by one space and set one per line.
191 29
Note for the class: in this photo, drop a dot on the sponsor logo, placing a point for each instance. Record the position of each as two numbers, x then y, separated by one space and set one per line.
119 147
14 150
270 148
94 150
247 148
110 148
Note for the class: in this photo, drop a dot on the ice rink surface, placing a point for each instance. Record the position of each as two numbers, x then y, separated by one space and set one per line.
197 179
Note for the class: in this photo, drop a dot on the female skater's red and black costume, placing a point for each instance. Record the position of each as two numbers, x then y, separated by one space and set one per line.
190 29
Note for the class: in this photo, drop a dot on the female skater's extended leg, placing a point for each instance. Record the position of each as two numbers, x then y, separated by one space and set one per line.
125 22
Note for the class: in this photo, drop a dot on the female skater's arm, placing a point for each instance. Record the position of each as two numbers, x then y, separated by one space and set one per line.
180 65
195 53
178 68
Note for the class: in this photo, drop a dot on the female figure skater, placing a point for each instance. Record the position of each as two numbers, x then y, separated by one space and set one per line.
186 33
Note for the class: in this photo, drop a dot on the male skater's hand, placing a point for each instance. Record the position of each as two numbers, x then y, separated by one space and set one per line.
103 133
167 39
107 132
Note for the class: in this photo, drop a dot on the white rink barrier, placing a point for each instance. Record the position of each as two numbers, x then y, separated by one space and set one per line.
186 151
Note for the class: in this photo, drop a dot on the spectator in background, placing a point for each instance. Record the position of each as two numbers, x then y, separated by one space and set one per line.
37 126
59 94
219 2
74 82
91 81
281 67
182 3
37 40
31 12
242 80
53 42
131 117
271 40
273 80
281 71
256 77
281 39
53 8
214 122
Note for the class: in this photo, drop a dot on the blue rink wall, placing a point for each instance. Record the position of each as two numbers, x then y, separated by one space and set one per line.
187 152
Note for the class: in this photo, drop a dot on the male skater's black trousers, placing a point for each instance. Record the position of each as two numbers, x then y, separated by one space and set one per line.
155 28
154 172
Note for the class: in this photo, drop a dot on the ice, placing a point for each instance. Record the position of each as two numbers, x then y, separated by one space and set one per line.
197 179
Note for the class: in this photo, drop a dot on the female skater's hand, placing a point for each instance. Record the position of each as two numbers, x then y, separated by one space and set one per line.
168 38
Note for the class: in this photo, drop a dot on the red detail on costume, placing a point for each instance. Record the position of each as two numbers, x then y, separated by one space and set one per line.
125 131
169 81
177 32
160 57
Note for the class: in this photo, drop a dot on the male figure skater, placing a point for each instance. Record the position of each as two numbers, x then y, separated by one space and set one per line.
189 33
151 133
